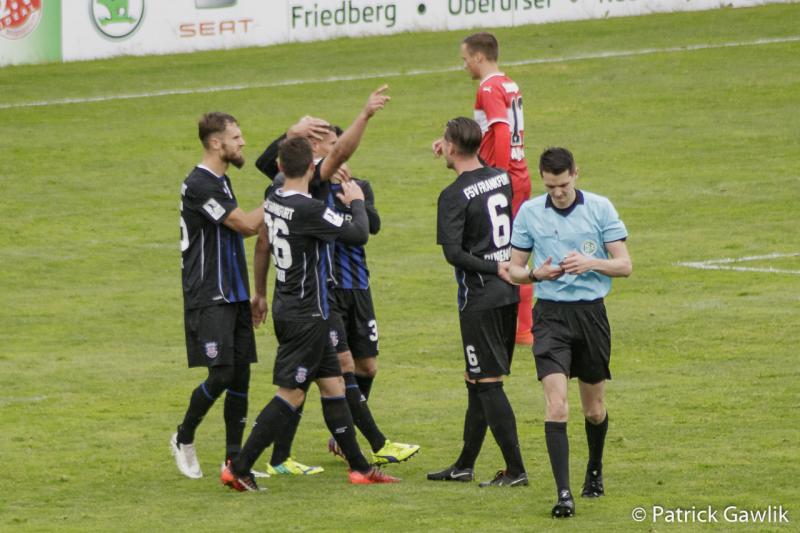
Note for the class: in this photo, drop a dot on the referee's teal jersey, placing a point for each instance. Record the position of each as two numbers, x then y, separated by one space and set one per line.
584 227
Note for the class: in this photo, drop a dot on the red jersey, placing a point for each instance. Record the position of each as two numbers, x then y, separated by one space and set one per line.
499 100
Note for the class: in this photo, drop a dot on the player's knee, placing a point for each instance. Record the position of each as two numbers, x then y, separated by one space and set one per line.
557 408
595 413
240 383
219 379
367 367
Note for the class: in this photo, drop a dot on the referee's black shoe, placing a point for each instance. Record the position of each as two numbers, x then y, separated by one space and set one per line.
593 484
452 473
565 506
502 479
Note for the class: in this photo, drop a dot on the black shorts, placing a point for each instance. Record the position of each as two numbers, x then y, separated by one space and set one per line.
488 337
572 338
220 335
305 353
352 323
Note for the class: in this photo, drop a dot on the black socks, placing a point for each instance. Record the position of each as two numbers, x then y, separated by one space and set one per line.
555 434
362 417
474 429
283 442
340 423
503 424
596 438
365 385
272 420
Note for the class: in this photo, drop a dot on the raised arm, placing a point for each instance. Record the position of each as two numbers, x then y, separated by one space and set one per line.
347 143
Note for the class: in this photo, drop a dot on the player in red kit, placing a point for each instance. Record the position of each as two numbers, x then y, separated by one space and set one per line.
498 111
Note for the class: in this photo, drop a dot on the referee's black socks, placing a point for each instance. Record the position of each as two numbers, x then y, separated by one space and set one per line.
503 424
340 423
272 420
596 438
474 429
555 434
362 416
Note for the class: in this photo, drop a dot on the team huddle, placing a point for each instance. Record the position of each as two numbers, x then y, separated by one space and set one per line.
314 222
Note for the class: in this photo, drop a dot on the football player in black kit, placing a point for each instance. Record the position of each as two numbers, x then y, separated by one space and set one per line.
216 292
299 227
474 230
353 326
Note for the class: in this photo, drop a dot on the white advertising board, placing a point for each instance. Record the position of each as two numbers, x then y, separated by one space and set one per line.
93 29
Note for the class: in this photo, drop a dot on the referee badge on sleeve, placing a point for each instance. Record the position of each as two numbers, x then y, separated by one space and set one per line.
588 247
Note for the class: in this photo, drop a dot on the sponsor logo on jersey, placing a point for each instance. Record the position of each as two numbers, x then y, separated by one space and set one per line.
333 217
588 247
117 19
213 208
301 374
212 350
511 87
19 17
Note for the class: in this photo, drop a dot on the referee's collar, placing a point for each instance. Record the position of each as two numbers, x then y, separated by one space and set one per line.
567 210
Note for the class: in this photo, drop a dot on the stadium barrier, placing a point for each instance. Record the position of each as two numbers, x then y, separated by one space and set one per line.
37 31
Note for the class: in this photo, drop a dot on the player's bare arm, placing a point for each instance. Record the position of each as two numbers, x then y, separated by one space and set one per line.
258 302
247 224
348 142
618 266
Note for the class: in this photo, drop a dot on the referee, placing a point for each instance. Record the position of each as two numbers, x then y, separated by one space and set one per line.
578 245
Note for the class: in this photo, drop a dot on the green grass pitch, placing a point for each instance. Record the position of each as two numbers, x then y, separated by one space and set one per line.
698 149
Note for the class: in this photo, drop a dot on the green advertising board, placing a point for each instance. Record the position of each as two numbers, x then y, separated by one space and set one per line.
30 31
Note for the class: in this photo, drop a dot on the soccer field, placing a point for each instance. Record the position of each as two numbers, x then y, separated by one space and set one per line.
689 123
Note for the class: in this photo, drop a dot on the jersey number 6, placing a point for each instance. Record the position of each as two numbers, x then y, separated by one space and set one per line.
501 223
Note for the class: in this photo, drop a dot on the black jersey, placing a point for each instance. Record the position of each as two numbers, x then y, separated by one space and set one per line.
213 262
299 229
349 263
475 212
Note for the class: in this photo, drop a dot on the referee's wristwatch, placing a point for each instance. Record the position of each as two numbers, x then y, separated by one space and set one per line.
532 277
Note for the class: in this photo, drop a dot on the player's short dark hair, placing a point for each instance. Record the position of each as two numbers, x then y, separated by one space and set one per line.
485 43
211 123
465 133
295 156
336 129
556 160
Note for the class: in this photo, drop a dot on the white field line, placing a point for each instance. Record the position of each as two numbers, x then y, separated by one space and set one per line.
393 74
728 262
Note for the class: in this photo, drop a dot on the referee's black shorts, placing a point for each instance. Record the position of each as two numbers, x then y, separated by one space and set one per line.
220 335
572 338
